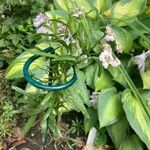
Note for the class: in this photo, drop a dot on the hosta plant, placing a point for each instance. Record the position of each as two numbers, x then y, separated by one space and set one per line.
108 42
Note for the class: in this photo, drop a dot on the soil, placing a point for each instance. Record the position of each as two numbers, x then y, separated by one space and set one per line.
34 142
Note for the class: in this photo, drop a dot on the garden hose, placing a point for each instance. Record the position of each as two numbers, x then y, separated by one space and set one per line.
41 86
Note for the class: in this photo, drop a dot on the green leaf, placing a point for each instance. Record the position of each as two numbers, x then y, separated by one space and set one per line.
132 143
80 87
15 69
109 107
67 5
136 116
77 101
2 43
70 4
91 74
146 79
102 5
117 76
124 38
104 81
92 121
122 126
29 124
125 11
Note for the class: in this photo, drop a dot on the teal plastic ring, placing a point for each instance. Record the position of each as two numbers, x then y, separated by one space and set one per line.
39 85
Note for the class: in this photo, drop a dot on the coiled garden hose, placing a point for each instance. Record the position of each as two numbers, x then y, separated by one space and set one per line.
41 86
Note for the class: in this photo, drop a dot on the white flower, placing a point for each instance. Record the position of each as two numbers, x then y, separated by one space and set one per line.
79 12
93 98
68 39
61 28
119 47
116 62
106 57
40 19
109 38
44 30
141 60
109 34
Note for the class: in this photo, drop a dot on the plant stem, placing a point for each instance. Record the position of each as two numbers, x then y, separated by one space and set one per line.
133 88
143 26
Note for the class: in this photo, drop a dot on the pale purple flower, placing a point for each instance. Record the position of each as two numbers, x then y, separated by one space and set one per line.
109 38
141 60
40 19
109 34
106 57
44 30
68 39
94 98
61 28
79 12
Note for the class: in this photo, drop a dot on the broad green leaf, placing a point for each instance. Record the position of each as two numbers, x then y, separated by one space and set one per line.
131 143
117 76
71 4
91 74
125 11
122 126
85 5
104 81
77 101
80 87
42 45
15 69
124 38
137 117
101 138
146 79
109 107
29 124
92 121
102 5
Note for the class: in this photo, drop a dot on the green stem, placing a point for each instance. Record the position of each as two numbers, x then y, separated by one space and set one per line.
143 26
133 88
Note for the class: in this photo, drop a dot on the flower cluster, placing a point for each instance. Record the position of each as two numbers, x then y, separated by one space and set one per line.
109 34
142 61
40 19
79 12
43 25
93 98
110 37
106 57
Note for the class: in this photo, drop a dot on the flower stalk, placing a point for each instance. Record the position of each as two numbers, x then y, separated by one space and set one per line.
133 88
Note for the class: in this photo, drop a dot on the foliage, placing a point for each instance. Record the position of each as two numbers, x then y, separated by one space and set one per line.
16 27
108 43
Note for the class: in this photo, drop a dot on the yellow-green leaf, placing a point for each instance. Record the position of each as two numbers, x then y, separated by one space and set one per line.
124 38
137 117
104 81
146 79
132 143
125 11
15 69
85 5
122 126
109 107
102 5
